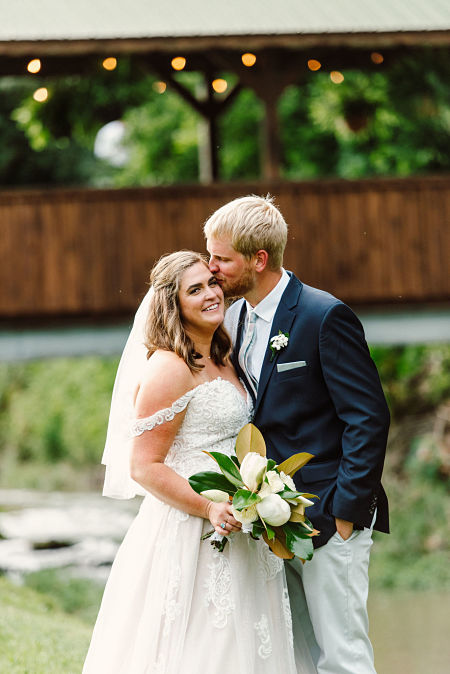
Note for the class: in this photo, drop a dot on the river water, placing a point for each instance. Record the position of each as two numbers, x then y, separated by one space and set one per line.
410 631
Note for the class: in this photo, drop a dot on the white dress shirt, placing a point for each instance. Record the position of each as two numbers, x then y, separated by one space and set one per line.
264 311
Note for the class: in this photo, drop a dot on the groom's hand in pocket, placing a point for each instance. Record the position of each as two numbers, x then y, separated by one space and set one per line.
344 528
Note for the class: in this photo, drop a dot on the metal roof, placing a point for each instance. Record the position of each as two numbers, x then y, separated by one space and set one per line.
30 20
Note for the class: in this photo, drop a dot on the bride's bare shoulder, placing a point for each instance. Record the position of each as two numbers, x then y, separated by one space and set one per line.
165 378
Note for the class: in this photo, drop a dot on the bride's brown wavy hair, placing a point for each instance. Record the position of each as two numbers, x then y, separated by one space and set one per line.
164 328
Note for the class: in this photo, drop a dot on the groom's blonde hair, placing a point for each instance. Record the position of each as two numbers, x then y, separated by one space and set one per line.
252 223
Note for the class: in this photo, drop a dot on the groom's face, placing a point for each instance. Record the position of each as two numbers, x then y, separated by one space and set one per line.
234 272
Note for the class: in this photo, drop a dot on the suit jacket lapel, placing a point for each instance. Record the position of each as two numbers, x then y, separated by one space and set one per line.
283 319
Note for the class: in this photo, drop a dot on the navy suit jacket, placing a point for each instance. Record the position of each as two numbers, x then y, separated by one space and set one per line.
333 407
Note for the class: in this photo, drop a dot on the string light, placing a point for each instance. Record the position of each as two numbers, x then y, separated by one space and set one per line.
159 87
110 63
336 77
219 85
248 59
376 58
313 64
34 66
178 63
40 95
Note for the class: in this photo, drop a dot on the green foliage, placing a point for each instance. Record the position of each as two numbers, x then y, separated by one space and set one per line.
244 498
310 150
228 468
415 555
415 378
29 155
79 597
162 140
239 134
298 541
211 480
391 121
36 637
54 411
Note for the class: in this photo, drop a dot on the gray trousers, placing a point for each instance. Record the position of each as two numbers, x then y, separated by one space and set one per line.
329 604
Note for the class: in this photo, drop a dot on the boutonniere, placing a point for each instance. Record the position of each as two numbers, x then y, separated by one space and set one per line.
278 342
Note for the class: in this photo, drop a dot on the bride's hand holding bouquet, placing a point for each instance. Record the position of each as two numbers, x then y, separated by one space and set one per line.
260 495
220 513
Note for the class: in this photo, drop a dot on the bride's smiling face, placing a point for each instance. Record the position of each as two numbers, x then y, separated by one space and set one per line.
200 298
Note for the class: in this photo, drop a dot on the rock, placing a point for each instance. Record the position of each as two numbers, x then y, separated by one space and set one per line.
43 531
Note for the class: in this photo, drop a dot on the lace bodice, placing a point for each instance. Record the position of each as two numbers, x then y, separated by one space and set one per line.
215 413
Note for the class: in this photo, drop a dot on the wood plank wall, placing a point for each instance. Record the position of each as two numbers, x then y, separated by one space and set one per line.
88 252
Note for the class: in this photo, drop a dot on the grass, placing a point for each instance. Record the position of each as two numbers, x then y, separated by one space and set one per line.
78 597
36 637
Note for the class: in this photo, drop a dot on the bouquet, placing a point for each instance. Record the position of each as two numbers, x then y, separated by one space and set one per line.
263 495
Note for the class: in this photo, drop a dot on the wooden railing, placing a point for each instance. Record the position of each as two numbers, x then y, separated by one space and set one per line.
84 252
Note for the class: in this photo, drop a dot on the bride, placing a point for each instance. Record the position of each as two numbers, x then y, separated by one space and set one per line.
173 602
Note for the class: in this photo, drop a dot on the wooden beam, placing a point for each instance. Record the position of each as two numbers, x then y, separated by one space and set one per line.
238 43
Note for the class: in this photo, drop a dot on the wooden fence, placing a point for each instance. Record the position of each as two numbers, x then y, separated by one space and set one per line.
88 252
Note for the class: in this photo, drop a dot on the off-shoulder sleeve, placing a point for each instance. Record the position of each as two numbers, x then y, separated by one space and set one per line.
138 426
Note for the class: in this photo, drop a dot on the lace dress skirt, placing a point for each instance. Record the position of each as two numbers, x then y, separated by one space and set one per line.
173 603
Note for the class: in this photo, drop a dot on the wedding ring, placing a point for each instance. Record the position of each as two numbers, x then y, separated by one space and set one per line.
223 525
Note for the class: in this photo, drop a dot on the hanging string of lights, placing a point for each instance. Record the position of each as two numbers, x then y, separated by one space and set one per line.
178 63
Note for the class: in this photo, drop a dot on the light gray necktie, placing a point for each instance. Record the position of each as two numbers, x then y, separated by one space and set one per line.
244 351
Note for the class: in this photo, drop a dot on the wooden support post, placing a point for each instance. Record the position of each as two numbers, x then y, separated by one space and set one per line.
271 150
209 107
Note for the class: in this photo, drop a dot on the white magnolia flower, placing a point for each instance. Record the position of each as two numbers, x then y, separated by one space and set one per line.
305 501
245 516
288 481
253 469
275 482
300 499
216 495
274 510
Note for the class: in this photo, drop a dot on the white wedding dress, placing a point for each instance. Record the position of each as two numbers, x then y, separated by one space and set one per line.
175 604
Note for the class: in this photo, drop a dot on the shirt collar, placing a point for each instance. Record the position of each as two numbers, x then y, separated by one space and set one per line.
267 307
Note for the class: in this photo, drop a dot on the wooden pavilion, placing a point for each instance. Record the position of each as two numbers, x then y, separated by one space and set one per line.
76 252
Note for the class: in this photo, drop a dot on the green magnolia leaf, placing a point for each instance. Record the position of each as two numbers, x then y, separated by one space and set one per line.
308 529
249 439
288 493
211 480
278 544
294 462
271 464
258 529
295 529
228 467
298 541
270 532
236 461
309 523
244 498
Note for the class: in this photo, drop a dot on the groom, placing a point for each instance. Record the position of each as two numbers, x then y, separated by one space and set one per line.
320 393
